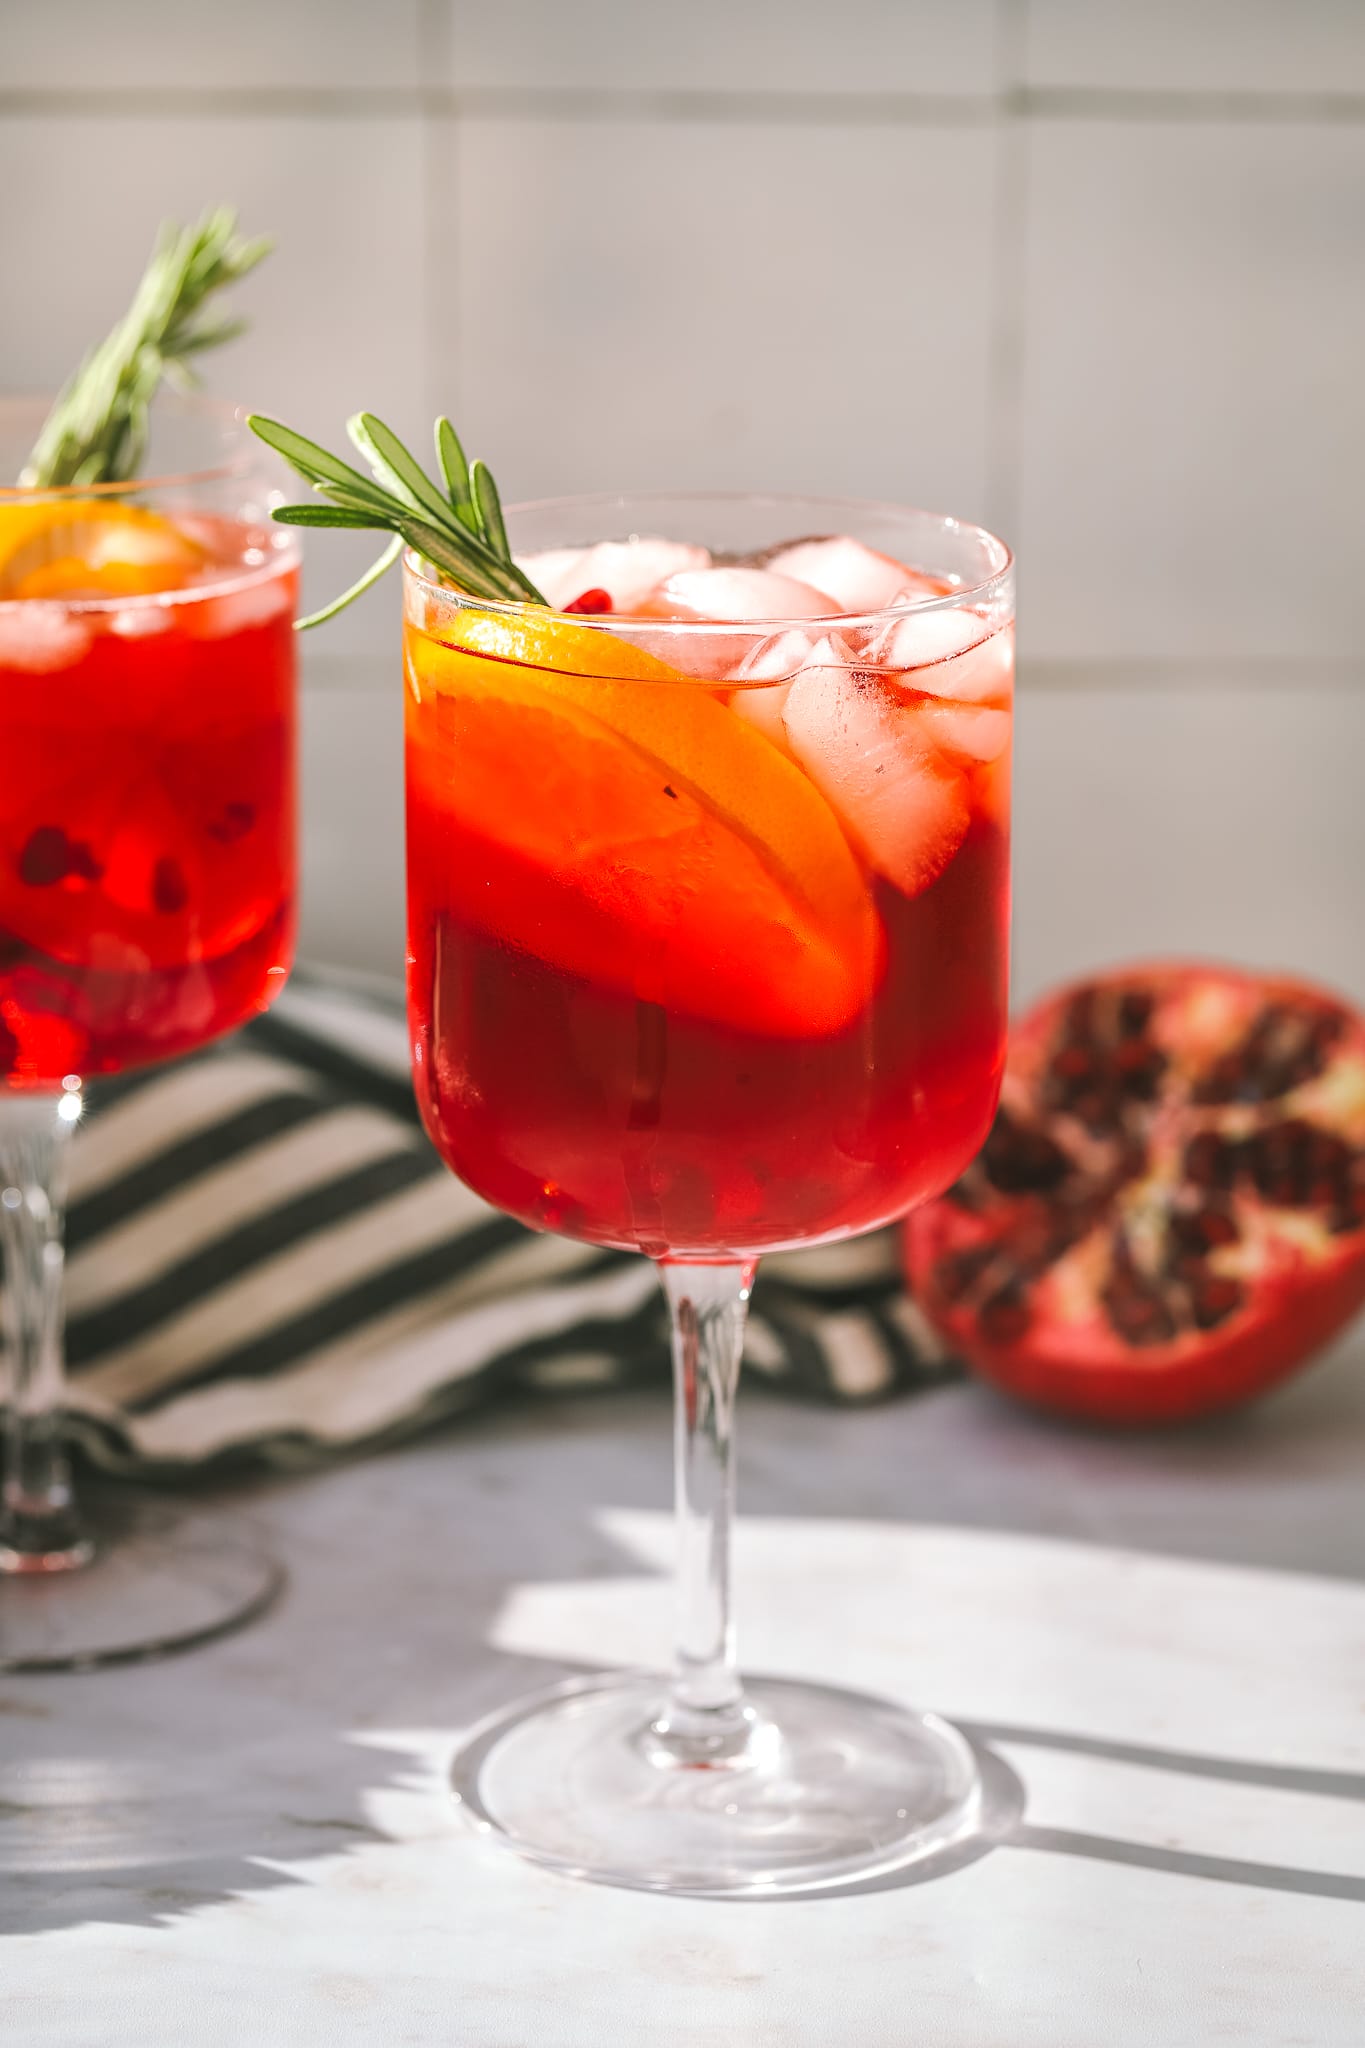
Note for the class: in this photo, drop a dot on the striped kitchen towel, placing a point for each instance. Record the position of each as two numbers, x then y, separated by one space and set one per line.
266 1257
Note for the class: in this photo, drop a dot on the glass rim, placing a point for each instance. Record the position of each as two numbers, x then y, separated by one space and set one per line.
240 463
964 596
248 459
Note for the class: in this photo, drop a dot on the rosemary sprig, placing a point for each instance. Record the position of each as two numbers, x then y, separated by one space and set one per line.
96 431
458 529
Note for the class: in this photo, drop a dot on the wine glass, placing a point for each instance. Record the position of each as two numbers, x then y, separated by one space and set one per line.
147 886
707 958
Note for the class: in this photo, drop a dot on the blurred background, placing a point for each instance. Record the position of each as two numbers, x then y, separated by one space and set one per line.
1088 271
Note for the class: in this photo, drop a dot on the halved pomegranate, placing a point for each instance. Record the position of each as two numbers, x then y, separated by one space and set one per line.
1169 1213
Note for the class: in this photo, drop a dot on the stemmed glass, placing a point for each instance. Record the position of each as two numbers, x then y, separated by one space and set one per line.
147 885
707 958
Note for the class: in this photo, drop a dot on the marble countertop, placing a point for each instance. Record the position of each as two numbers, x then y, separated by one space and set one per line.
1157 1644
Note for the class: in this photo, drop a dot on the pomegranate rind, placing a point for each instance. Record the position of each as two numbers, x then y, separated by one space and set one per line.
1303 1283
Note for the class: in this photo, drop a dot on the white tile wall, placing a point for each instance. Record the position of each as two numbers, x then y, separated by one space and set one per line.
1160 821
351 793
337 310
699 303
968 267
919 46
146 45
1227 46
1193 319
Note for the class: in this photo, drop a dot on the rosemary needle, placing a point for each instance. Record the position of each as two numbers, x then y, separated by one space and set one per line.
96 432
456 525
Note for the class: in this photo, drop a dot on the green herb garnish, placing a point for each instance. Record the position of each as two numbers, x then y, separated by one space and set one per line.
96 432
458 529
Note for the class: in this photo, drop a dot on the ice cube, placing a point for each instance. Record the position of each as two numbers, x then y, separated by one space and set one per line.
969 732
916 589
984 674
780 657
705 598
764 708
858 578
783 655
922 638
949 654
40 638
737 594
555 573
628 570
252 603
904 806
141 621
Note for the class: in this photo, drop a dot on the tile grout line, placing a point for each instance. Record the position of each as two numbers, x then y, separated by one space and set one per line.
839 109
1126 103
1006 341
438 277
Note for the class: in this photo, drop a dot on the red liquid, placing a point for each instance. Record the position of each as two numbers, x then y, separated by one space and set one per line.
147 828
638 1123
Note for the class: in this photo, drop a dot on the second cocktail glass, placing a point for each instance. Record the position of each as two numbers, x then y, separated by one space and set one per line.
147 904
707 958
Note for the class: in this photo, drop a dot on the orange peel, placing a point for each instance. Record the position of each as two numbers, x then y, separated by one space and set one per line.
633 830
71 548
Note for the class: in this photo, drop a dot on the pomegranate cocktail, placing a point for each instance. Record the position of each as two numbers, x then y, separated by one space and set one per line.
707 927
147 796
707 923
146 874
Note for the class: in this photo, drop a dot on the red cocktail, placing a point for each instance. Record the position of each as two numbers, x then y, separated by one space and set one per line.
147 885
705 967
147 781
708 908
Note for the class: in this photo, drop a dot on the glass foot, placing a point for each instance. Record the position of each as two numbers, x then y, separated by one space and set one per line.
159 1578
831 1788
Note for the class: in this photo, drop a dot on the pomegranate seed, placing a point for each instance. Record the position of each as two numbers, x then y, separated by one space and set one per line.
1018 1158
46 857
1213 1299
1076 1063
170 890
594 600
1210 1160
1137 1312
956 1274
1203 1230
1080 1014
80 860
1006 1316
1350 1214
236 821
1135 1011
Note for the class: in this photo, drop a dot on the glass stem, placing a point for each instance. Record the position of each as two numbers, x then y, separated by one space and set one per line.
706 1720
39 1526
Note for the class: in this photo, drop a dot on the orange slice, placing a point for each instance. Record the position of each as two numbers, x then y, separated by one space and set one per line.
89 547
628 827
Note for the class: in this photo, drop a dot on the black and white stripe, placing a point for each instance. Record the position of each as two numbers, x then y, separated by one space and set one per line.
267 1257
